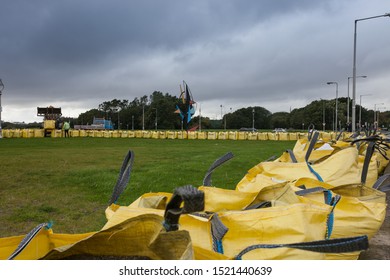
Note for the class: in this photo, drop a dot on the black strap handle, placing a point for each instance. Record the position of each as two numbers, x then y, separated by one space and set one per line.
292 156
27 239
123 178
367 159
191 199
338 245
310 131
215 165
340 134
312 142
382 183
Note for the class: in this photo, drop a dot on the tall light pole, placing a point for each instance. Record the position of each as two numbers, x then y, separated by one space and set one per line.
360 111
377 116
1 88
156 119
253 120
354 69
323 115
364 76
200 118
375 108
143 116
337 93
118 109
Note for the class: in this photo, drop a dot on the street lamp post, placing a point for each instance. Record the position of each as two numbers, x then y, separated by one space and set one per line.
323 116
143 116
375 120
337 93
253 120
200 118
354 69
132 122
364 76
1 88
360 111
377 115
156 119
118 119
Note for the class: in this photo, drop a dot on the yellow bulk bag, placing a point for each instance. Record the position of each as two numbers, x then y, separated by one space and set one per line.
141 237
252 136
360 211
192 135
124 134
147 134
99 133
107 134
202 135
223 135
340 169
75 133
242 135
171 134
39 133
182 135
211 135
132 134
37 243
284 136
83 133
272 136
293 136
91 133
233 135
262 136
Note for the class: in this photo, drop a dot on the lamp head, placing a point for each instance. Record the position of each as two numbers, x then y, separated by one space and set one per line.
1 85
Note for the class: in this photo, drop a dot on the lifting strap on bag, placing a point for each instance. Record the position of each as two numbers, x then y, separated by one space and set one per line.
367 159
27 239
378 185
313 141
123 178
192 200
338 245
215 165
292 156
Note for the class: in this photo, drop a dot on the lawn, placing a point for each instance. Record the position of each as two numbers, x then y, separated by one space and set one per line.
69 181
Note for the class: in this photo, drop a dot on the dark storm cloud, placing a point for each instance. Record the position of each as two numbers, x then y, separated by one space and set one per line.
242 52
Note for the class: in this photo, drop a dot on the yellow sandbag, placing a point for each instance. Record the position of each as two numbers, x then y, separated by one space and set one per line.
340 169
140 237
359 211
38 243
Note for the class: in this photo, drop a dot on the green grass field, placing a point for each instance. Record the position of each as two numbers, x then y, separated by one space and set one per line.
69 180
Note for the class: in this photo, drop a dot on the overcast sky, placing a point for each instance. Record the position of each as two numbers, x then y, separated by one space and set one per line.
278 54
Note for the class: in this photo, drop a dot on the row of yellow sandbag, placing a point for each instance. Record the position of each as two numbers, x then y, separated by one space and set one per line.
148 134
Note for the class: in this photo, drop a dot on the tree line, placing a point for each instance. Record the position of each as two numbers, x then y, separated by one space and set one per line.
158 111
